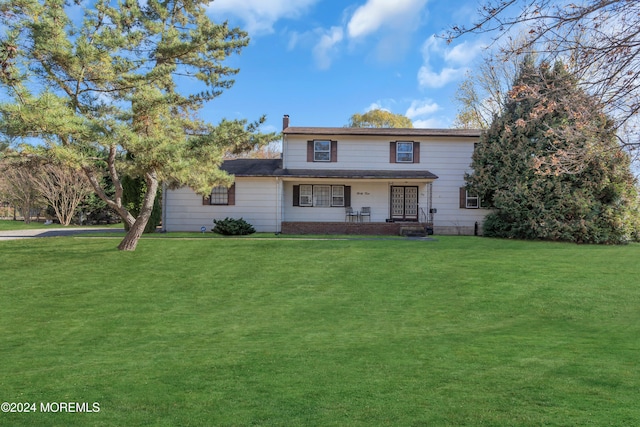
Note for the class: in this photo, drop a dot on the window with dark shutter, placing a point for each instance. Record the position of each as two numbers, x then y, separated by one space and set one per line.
468 201
404 152
321 195
322 151
221 195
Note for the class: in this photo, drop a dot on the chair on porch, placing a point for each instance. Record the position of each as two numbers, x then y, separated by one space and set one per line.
349 214
365 212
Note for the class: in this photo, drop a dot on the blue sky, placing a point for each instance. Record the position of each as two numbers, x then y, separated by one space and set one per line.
320 61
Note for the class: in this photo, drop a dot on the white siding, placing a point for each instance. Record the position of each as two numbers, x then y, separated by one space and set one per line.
363 193
450 160
354 152
256 203
258 200
447 157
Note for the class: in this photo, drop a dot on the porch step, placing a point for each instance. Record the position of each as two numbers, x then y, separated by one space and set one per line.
413 231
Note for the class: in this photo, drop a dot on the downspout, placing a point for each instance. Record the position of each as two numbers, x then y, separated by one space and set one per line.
278 204
279 182
164 208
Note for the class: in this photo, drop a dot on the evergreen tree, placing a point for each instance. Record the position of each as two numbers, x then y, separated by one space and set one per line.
133 191
516 168
112 76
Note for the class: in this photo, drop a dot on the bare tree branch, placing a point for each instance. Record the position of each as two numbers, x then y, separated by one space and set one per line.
599 40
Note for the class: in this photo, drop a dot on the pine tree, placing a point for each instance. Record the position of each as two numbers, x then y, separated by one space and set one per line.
115 80
589 196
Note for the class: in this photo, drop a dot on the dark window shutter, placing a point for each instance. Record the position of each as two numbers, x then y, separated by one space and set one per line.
231 195
309 151
347 196
334 151
416 152
296 195
392 152
206 200
463 198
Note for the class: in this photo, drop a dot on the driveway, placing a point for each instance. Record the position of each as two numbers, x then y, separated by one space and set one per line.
54 232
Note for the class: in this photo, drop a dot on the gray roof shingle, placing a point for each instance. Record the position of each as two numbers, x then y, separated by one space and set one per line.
252 167
400 132
359 174
273 167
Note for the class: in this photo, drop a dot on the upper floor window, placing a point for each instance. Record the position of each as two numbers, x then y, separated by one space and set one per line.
404 152
322 150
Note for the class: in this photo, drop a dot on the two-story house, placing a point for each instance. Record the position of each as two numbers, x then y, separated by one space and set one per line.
344 180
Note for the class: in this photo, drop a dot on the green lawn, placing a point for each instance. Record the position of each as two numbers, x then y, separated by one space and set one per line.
274 332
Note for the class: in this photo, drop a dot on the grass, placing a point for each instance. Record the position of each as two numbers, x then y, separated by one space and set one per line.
238 332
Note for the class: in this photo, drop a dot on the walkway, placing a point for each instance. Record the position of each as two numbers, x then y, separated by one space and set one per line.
53 232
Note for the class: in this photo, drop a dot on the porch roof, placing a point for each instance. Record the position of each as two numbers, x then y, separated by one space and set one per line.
273 167
357 174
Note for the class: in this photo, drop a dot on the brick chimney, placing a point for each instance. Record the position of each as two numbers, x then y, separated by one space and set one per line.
285 122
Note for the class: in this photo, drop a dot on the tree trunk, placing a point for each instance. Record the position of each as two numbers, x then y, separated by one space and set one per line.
130 241
26 213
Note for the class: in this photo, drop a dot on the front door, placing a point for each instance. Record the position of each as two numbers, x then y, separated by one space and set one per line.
404 203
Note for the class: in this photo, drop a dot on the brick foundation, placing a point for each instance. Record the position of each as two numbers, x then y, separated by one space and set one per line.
361 228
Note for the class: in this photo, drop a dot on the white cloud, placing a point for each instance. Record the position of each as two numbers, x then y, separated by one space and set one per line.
429 78
420 111
375 14
464 53
374 106
432 123
395 20
260 15
421 108
327 45
442 64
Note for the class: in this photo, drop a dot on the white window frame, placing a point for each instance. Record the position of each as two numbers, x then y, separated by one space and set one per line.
219 195
319 153
472 201
337 195
306 195
322 196
404 156
311 195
